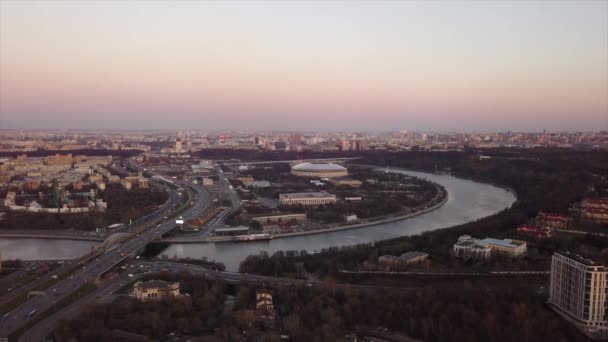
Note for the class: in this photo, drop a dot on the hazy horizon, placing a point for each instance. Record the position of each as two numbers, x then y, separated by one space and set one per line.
305 66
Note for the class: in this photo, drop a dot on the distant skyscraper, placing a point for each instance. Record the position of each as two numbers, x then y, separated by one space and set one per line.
578 293
178 145
295 139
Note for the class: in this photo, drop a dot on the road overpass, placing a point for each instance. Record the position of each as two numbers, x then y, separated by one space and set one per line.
91 268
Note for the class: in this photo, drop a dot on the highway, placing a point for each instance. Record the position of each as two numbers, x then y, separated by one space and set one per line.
17 318
135 227
228 189
92 266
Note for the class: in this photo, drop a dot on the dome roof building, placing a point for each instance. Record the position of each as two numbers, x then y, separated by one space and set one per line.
321 170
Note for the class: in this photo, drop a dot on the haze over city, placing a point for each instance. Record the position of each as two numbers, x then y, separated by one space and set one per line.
444 66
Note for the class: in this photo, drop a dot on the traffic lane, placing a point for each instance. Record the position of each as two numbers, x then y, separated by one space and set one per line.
45 327
112 259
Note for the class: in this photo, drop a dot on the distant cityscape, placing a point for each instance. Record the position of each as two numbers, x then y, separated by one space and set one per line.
192 141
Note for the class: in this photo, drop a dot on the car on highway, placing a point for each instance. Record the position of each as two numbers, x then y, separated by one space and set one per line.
32 314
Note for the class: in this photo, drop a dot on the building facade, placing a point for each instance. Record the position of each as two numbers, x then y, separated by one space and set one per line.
307 198
467 248
595 209
534 231
279 219
155 290
578 293
263 300
551 220
505 247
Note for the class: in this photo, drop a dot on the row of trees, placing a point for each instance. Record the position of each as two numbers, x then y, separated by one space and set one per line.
123 206
326 313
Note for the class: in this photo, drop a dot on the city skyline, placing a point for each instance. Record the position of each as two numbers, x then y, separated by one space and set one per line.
437 66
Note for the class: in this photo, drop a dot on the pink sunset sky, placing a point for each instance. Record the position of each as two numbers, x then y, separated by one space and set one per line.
437 65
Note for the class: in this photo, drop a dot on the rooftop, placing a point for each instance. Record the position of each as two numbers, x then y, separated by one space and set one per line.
413 254
578 258
321 194
504 243
153 284
232 229
318 167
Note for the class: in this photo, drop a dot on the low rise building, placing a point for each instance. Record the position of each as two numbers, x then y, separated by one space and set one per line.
246 181
95 178
471 248
126 184
307 198
578 292
114 179
263 300
408 258
59 159
596 203
155 290
345 181
534 231
551 220
595 209
278 220
505 247
467 248
10 198
143 182
595 214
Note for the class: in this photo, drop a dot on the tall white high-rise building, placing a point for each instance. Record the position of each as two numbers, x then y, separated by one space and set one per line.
578 293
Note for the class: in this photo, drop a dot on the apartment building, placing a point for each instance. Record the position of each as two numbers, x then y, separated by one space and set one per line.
578 293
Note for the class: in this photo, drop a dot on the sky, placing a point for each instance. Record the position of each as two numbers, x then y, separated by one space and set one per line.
344 65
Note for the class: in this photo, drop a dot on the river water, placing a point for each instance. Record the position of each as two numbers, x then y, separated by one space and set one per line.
467 201
44 249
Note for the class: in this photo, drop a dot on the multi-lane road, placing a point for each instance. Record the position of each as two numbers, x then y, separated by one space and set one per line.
141 224
196 201
20 316
235 202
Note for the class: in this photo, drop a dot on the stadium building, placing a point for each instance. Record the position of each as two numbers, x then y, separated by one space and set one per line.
320 170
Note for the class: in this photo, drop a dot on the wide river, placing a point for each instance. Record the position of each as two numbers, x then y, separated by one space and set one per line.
467 201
